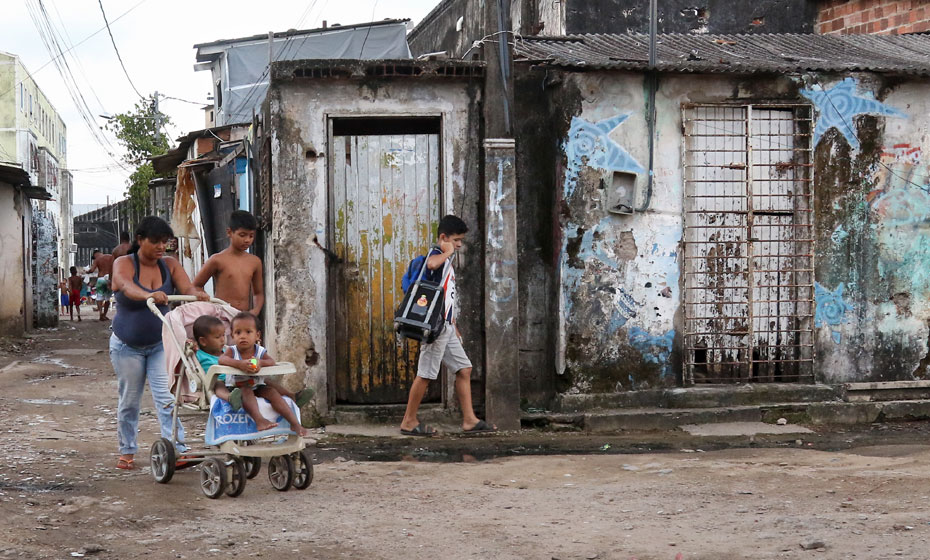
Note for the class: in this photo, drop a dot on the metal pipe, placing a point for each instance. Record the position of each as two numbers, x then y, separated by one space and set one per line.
652 84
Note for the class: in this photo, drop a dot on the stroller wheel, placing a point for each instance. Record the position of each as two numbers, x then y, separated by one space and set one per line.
237 477
162 458
303 470
213 477
281 472
252 466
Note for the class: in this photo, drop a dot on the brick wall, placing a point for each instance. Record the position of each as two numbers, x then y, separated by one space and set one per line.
873 16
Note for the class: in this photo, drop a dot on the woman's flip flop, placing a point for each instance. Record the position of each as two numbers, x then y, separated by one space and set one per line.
125 464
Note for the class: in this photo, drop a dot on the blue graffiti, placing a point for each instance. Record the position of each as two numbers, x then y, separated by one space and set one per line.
590 144
831 309
837 106
839 234
655 349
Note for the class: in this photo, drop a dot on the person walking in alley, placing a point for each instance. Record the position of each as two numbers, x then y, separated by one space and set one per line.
447 349
136 350
75 283
103 265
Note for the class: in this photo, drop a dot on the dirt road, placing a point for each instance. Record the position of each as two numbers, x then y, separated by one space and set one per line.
60 496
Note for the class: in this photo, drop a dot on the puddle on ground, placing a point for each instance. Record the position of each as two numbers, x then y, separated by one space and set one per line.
47 401
45 359
78 352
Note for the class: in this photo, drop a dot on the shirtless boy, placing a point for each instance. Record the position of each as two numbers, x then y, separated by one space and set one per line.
103 264
122 249
235 272
75 282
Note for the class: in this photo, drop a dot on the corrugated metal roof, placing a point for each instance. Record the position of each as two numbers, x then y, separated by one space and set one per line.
782 52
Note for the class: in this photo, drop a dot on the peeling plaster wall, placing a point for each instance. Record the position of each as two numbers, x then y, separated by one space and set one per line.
297 308
45 235
618 274
873 227
617 323
12 304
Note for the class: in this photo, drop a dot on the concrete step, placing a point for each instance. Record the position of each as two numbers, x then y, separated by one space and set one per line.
805 413
390 414
887 391
713 396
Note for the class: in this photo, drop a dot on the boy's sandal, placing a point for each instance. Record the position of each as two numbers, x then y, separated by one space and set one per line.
421 430
125 464
481 427
235 398
303 396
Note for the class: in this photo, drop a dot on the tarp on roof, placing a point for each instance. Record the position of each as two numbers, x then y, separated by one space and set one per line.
247 81
776 52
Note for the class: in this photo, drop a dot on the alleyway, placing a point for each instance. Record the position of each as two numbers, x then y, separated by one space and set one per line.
60 496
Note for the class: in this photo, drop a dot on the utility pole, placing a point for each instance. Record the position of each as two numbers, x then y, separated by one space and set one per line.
499 197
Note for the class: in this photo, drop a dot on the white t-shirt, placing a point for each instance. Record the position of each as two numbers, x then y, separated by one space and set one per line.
448 286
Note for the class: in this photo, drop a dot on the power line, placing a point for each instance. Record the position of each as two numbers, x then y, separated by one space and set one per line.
112 40
49 38
84 40
370 20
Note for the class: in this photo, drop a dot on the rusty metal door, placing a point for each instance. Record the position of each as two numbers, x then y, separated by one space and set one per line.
385 201
749 294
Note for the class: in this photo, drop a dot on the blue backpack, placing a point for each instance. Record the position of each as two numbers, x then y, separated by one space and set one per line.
413 272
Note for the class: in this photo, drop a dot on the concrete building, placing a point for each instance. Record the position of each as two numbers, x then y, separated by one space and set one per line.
774 234
33 135
16 267
365 157
454 26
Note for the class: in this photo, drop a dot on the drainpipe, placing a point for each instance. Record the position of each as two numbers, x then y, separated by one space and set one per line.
652 84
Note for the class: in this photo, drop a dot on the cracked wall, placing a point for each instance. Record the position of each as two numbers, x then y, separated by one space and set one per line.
618 322
298 309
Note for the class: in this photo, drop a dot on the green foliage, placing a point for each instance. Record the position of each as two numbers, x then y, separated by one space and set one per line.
140 132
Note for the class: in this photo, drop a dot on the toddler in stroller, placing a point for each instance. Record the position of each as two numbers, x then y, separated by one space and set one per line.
249 356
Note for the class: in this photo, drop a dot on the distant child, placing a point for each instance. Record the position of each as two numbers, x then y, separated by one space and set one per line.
249 356
63 286
447 349
234 271
75 282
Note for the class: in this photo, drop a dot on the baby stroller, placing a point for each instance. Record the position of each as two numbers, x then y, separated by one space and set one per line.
233 448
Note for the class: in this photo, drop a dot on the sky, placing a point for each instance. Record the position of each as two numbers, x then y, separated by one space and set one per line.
155 39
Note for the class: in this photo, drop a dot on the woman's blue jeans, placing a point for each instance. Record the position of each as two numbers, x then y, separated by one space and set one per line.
134 365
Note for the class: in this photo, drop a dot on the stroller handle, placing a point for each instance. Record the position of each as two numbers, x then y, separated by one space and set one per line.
150 302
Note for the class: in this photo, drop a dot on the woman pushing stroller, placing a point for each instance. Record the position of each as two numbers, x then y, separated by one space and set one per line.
136 349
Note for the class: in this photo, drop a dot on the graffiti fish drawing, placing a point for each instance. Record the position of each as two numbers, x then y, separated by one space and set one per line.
839 105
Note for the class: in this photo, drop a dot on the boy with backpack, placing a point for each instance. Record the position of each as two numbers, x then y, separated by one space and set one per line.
447 348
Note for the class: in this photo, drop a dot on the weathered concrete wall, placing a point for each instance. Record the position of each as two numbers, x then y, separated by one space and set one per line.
12 304
873 227
297 111
440 31
688 16
617 324
45 285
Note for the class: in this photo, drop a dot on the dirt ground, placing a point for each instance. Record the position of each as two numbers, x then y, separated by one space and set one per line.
60 496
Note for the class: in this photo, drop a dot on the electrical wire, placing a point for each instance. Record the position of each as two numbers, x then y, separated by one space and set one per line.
925 188
370 20
52 44
118 56
84 40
